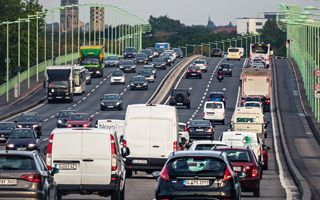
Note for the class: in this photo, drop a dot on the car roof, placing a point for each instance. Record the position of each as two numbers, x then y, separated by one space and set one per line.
214 154
247 148
17 129
208 142
13 152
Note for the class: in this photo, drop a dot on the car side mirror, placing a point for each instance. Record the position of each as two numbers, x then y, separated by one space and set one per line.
156 174
125 152
54 171
183 141
271 53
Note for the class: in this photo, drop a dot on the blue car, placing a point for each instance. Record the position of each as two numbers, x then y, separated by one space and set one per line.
217 96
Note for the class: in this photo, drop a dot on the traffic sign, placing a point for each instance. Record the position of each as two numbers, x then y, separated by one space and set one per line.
317 73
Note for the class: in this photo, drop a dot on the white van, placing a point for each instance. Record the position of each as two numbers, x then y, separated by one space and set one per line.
89 161
151 132
214 111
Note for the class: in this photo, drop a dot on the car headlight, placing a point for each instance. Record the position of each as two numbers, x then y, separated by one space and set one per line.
31 145
102 103
133 66
35 126
121 67
19 126
132 84
118 103
97 72
59 121
10 145
145 83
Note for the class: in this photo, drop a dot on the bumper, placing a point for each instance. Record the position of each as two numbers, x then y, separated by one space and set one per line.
153 164
143 87
193 75
64 189
117 81
150 79
214 118
249 184
200 136
22 195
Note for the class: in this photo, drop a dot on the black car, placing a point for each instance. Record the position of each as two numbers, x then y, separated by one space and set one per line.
216 52
197 175
6 129
159 63
194 71
226 69
139 82
178 52
24 175
111 101
148 52
141 58
152 68
167 59
23 139
62 117
180 97
200 130
127 66
112 61
30 120
129 52
148 74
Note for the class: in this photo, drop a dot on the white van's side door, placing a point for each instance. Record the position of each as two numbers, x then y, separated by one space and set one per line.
96 158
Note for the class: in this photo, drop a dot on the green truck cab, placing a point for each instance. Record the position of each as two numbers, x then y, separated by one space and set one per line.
92 58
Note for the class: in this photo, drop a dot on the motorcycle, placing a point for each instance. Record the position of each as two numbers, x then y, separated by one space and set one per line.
220 76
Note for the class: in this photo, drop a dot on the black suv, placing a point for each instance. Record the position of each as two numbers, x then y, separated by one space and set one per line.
180 97
30 120
130 52
226 69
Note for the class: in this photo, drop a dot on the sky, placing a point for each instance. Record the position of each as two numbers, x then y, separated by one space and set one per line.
195 11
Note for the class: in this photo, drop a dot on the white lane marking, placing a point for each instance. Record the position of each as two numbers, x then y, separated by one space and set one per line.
121 93
309 133
45 139
74 105
89 94
53 116
101 82
84 98
69 108
301 115
97 86
128 86
93 90
97 113
79 102
295 93
224 89
92 116
104 79
45 120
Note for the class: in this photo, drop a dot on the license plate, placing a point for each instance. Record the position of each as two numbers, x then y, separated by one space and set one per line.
139 161
22 149
67 166
237 169
110 106
8 181
59 97
193 74
199 130
179 103
138 86
196 182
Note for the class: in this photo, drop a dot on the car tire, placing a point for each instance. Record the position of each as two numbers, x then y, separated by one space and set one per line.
120 108
256 192
128 173
116 195
188 106
187 77
231 74
59 196
49 101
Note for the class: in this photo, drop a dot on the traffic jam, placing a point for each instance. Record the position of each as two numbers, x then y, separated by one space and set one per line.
186 159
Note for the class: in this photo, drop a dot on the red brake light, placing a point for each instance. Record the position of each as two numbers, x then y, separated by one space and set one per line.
164 174
124 143
85 125
254 172
227 174
69 125
49 152
34 178
114 153
175 146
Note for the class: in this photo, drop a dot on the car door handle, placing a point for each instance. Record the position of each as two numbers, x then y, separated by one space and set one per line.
87 160
155 146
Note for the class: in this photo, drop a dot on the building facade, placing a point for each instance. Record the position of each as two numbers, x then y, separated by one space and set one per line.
97 22
250 25
69 17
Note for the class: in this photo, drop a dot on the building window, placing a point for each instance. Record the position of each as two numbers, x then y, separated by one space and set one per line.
258 23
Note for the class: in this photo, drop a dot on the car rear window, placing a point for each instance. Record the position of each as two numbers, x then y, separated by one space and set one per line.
199 62
27 118
16 162
214 105
117 73
252 105
175 92
233 50
213 95
201 166
78 117
204 147
238 155
200 123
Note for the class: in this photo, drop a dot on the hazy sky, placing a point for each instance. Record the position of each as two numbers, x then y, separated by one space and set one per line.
195 11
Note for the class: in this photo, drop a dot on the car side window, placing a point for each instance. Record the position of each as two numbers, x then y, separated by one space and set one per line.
42 165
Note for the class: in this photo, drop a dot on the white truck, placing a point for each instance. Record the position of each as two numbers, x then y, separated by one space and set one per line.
257 82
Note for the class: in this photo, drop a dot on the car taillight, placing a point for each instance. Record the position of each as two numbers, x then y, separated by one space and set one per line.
175 146
227 174
164 174
254 172
114 154
85 125
124 143
210 130
69 125
199 71
34 178
49 152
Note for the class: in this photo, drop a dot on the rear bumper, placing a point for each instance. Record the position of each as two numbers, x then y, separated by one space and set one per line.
249 184
153 164
199 136
64 189
193 74
22 195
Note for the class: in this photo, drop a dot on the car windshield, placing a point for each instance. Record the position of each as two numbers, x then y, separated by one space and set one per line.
233 50
199 62
214 105
141 55
117 73
78 117
147 52
112 58
237 155
26 118
158 60
22 134
182 127
200 123
138 78
16 162
145 72
175 92
216 96
127 62
177 50
110 97
196 166
65 114
7 126
90 61
192 67
58 84
260 49
252 105
216 50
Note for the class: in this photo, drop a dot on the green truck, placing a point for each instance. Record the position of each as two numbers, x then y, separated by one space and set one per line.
92 58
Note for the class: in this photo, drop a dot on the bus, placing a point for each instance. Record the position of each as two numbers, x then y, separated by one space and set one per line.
260 50
79 79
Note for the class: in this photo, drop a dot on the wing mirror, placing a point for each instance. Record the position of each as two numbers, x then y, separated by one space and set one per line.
125 152
54 171
156 174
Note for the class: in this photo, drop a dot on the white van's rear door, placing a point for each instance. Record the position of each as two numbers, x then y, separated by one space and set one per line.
66 155
96 158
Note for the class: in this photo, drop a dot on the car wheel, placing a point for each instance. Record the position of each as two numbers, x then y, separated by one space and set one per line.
187 77
49 101
120 108
116 195
128 173
59 196
256 192
188 106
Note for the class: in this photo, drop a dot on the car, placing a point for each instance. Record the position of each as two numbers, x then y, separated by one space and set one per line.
216 52
154 52
88 77
130 52
200 130
23 139
167 58
24 175
180 97
245 165
251 98
197 175
6 129
214 111
93 164
127 66
258 60
205 145
152 68
171 53
179 52
226 68
194 71
62 117
183 134
138 82
148 52
141 58
255 104
257 65
117 77
148 74
159 63
30 120
217 96
112 61
202 64
111 101
234 54
159 51
79 120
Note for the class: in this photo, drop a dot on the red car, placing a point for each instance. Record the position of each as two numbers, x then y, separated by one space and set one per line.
194 71
244 163
79 120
